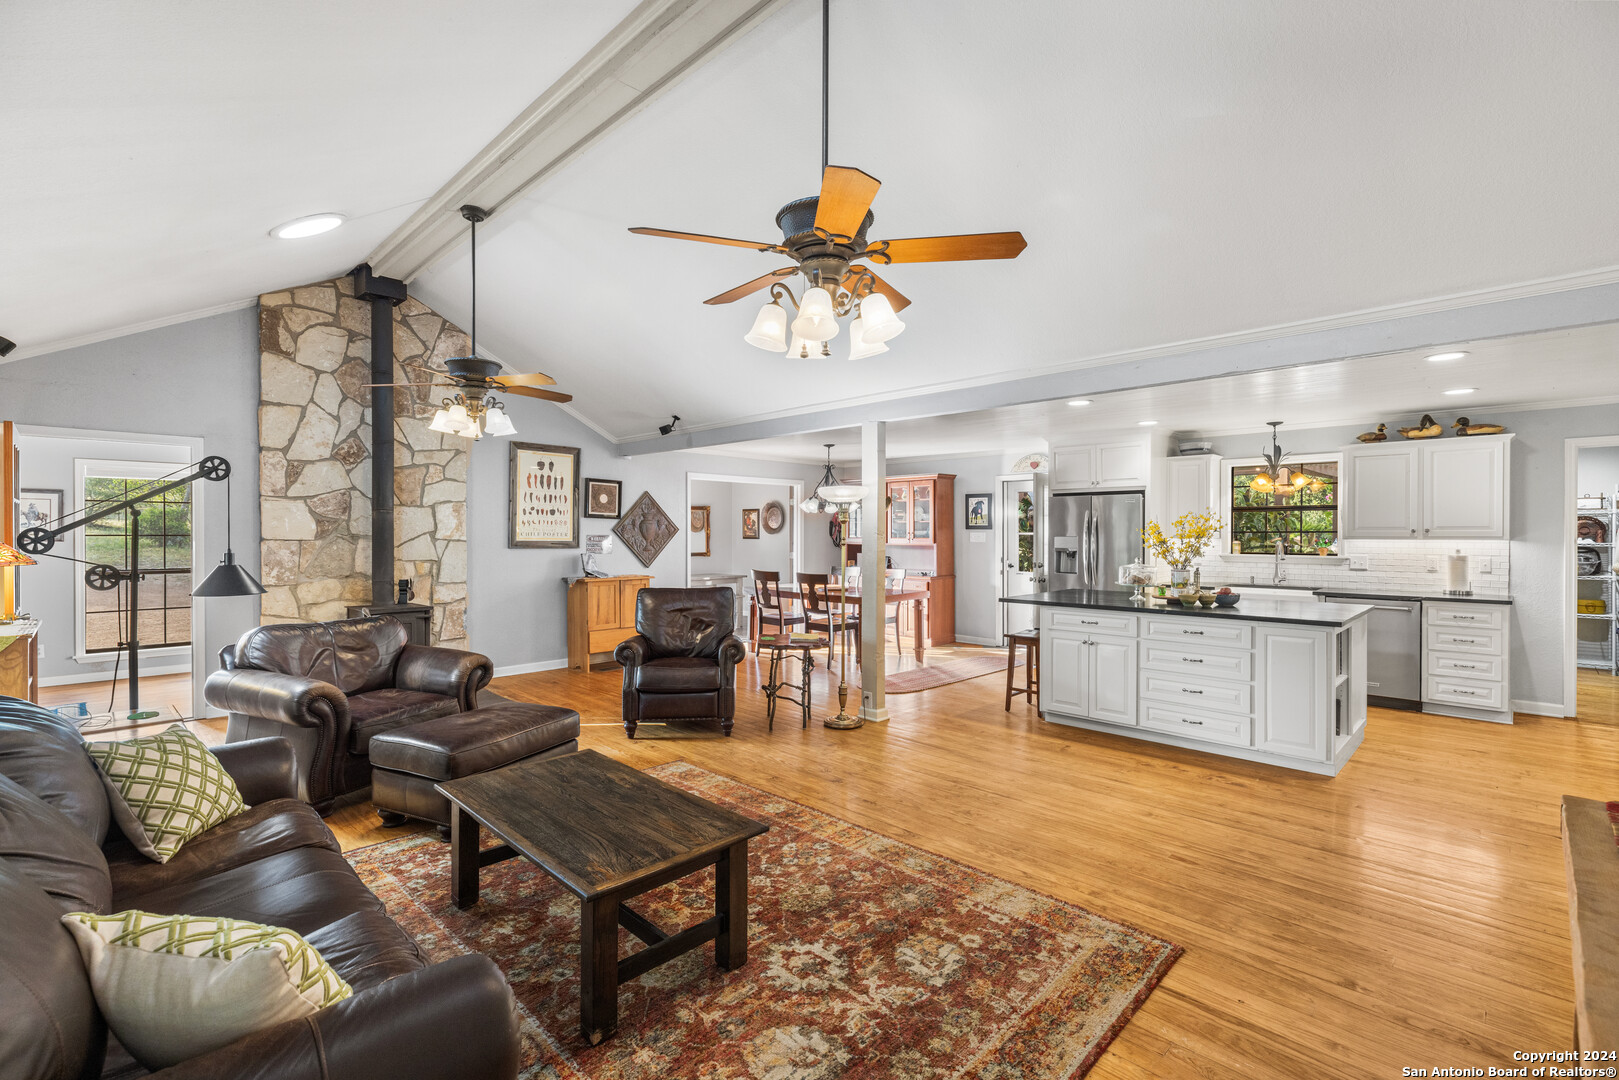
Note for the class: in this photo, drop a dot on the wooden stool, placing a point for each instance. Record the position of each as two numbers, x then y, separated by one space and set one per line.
1030 640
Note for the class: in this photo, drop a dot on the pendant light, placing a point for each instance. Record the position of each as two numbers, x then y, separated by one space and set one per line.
227 579
474 415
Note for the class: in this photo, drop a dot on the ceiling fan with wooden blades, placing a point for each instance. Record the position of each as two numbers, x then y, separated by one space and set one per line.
825 236
472 413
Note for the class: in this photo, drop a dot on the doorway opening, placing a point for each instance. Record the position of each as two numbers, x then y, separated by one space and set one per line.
1018 549
735 525
1593 520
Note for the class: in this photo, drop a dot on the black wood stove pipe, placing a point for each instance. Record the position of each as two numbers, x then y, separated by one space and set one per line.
383 294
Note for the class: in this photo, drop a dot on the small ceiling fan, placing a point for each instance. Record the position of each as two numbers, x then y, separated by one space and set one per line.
825 236
472 413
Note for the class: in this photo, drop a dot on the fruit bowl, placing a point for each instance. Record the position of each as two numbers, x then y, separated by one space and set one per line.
1227 599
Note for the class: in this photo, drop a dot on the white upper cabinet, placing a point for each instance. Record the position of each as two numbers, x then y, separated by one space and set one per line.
1465 484
1443 489
1189 486
1101 466
1380 493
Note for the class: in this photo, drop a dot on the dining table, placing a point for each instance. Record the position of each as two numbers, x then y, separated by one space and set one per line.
914 595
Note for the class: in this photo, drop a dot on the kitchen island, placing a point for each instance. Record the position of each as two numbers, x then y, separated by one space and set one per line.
1277 681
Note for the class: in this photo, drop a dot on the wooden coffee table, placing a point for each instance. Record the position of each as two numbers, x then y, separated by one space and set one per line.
608 833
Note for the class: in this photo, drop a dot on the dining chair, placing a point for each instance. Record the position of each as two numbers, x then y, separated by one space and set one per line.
894 581
767 602
822 614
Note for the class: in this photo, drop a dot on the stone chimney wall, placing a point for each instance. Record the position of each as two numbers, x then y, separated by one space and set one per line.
314 459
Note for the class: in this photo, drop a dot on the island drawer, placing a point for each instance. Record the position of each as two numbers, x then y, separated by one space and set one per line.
1479 695
1193 630
1233 730
1224 697
1097 622
1443 638
1459 666
1464 616
1198 662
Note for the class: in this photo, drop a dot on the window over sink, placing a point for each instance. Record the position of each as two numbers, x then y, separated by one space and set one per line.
1305 520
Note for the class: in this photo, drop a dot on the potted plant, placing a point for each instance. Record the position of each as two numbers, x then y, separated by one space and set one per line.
1190 535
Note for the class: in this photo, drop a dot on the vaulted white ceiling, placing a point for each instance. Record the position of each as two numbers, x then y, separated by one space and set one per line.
1181 170
146 149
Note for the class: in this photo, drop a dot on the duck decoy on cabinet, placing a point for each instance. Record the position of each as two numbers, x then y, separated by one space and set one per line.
1427 428
1464 426
1379 435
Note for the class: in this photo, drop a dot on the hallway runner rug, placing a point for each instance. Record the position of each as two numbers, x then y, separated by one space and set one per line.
866 958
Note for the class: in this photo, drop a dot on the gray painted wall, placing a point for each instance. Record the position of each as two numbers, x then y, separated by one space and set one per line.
47 591
197 379
731 554
1599 471
517 614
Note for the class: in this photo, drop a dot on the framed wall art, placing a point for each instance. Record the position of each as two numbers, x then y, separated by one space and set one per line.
603 498
750 524
37 507
645 529
773 517
980 511
700 529
544 507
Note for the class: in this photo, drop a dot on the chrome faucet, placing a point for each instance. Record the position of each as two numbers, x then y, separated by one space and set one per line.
1279 575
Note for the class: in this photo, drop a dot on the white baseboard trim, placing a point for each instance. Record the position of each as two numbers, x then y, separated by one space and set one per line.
106 676
1539 708
989 643
526 669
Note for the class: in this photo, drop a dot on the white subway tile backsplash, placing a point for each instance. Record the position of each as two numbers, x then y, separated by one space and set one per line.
1391 564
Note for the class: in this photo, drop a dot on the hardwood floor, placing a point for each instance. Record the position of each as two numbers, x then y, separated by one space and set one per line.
170 695
1410 912
1597 699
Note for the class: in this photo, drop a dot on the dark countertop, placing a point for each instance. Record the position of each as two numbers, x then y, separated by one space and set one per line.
1394 594
1300 612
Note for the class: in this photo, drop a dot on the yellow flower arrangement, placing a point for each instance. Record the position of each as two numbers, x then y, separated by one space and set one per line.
1190 535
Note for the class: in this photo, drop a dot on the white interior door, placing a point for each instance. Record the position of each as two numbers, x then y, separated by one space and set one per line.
1020 549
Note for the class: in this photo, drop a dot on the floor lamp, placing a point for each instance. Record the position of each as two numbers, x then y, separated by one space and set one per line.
842 497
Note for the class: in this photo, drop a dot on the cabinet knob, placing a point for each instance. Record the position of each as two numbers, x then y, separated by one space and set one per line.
1413 532
1426 530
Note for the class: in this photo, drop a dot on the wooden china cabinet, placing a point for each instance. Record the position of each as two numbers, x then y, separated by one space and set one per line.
921 515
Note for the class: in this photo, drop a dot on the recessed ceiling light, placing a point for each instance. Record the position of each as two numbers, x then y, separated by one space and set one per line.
1461 390
313 225
1145 423
1080 401
1441 357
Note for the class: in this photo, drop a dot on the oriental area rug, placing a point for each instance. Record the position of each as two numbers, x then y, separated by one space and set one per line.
866 958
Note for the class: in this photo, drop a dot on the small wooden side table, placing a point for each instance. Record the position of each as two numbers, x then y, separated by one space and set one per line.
784 647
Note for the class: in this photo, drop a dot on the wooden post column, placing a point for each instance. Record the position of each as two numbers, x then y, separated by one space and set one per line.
873 557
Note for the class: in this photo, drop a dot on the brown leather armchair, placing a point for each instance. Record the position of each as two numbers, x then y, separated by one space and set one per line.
681 665
329 687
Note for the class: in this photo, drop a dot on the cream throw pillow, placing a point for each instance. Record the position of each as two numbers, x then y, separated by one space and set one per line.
165 789
176 986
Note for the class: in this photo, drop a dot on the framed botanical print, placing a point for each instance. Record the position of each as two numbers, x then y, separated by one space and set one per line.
750 524
603 498
980 511
544 507
700 526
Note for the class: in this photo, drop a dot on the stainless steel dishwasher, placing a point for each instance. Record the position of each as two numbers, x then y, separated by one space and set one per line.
1393 650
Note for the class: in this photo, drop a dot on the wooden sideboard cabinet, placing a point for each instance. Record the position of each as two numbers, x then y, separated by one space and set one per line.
601 613
19 660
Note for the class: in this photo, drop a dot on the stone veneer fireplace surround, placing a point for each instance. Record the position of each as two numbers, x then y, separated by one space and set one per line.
314 459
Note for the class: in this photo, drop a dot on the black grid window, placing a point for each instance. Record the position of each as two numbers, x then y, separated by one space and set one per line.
1306 521
165 556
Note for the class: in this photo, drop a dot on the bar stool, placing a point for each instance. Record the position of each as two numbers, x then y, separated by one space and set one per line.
1030 640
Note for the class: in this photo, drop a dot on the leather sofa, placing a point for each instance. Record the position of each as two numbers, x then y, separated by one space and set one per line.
276 863
329 687
681 664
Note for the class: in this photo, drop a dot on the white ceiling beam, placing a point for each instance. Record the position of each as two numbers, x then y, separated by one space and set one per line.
1509 317
644 55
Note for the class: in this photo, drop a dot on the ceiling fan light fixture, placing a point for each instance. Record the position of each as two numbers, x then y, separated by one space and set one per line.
879 323
817 321
455 421
859 347
769 329
496 422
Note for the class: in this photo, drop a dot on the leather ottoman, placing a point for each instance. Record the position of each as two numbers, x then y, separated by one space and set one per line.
407 761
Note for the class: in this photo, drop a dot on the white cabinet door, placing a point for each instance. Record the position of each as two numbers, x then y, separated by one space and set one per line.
1075 468
1293 701
1121 465
1113 680
1189 485
1380 493
1464 489
1064 674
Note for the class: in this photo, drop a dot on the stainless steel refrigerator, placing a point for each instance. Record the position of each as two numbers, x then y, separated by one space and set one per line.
1092 536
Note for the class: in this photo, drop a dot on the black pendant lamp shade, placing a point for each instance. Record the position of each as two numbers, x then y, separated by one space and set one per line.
228 579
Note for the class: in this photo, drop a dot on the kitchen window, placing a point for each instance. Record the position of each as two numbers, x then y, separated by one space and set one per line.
1305 520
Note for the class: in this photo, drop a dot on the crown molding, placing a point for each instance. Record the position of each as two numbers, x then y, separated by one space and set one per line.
25 352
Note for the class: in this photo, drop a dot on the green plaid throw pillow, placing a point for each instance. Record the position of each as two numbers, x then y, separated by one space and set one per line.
176 986
165 789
